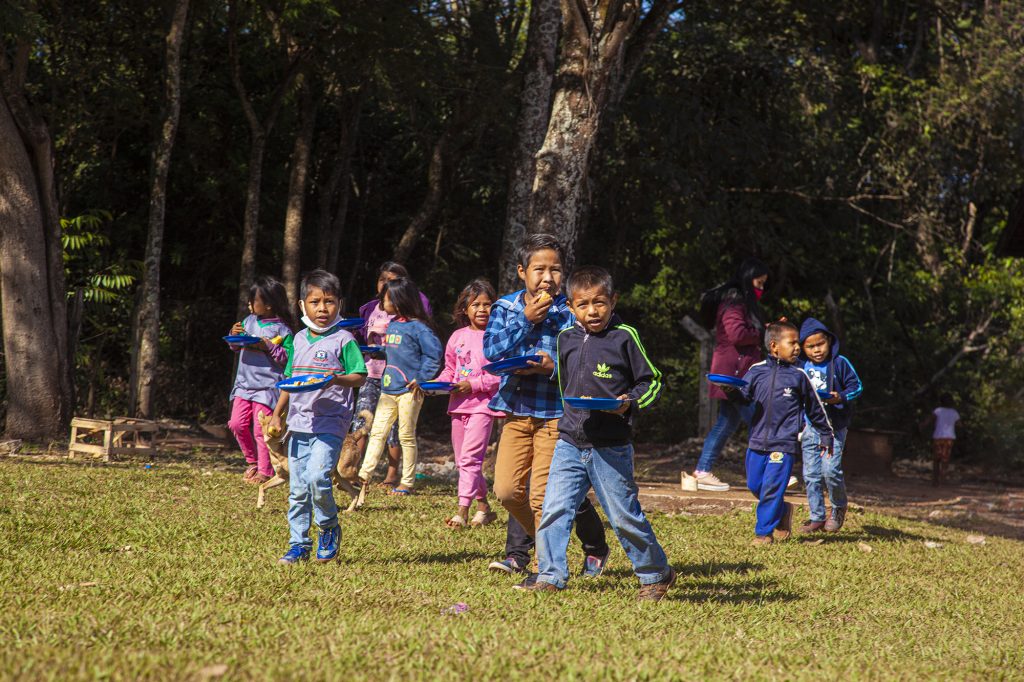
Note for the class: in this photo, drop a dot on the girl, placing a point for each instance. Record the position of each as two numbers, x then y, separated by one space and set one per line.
474 388
375 324
414 356
260 366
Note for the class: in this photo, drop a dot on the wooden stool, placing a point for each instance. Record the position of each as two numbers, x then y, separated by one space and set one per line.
120 436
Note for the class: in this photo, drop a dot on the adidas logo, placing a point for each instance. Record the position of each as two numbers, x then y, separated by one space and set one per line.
603 371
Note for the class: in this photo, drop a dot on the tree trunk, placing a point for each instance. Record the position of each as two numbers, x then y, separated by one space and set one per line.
148 313
301 154
531 125
331 230
431 203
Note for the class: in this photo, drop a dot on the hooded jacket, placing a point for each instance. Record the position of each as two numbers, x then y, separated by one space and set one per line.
737 343
782 394
607 364
836 373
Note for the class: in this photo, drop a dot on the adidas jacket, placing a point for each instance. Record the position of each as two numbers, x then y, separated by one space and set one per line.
604 365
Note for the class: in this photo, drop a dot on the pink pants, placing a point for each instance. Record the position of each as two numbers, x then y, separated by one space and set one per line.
243 423
470 433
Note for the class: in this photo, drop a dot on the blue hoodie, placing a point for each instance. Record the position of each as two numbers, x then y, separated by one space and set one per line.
835 374
782 394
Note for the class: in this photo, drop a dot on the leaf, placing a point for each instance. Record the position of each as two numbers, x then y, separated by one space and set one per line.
975 539
211 671
864 547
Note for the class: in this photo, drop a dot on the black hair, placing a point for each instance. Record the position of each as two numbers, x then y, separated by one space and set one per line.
395 268
477 287
273 294
738 289
590 276
946 400
539 242
774 330
322 280
405 297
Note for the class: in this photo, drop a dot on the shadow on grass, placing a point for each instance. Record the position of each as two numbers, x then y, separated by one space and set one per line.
706 569
754 591
873 533
439 557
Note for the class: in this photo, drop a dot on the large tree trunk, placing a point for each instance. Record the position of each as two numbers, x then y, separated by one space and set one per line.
301 154
149 306
332 224
538 64
431 202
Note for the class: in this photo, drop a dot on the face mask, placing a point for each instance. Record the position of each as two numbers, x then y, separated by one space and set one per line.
312 325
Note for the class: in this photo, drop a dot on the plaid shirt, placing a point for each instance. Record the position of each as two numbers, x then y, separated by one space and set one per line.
510 334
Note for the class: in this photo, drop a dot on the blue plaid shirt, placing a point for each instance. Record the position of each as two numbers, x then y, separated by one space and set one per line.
510 334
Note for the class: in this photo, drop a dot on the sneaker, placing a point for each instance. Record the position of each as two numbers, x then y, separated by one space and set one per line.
328 547
593 566
294 555
762 540
785 527
507 565
531 584
688 482
811 527
708 481
835 520
527 583
656 591
793 480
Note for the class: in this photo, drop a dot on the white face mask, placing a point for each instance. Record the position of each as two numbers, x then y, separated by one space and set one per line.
312 325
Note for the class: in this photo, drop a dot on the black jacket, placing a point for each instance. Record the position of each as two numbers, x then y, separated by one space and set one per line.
608 364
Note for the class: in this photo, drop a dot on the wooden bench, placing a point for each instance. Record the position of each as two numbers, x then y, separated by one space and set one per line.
118 436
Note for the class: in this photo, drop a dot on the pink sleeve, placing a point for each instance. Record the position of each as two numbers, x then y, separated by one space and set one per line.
485 383
738 330
450 359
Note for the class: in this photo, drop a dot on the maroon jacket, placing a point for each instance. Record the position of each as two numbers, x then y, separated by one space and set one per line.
737 344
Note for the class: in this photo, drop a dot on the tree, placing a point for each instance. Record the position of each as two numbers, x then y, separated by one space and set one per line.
297 191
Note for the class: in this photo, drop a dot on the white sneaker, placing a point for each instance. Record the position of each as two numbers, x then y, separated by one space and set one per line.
793 480
711 483
689 483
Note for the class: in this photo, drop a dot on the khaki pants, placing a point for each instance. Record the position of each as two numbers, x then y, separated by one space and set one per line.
406 409
524 454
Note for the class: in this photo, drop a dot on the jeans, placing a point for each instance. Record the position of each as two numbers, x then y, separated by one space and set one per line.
818 469
610 471
589 529
729 416
311 459
767 477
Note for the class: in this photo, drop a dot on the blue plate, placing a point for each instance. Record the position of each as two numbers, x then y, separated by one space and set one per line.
350 322
437 386
242 339
509 365
823 394
593 403
726 380
298 385
371 349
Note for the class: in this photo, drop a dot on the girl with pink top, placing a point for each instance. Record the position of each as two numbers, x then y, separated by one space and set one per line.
471 418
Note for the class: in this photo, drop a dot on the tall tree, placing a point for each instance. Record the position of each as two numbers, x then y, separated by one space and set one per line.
148 313
301 154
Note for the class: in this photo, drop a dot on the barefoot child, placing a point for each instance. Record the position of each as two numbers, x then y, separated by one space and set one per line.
260 367
471 417
781 394
317 420
414 356
599 357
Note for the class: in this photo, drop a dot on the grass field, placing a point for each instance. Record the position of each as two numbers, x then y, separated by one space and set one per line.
124 573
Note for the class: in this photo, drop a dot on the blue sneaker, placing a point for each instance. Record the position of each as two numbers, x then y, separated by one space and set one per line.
294 555
328 547
593 566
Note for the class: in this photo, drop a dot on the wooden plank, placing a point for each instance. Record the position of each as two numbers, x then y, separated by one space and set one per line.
707 409
92 423
87 448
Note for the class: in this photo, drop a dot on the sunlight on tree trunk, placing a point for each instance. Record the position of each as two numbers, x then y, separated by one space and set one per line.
297 192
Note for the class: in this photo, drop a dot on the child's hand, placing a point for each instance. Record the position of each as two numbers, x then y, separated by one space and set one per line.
274 426
537 309
238 329
833 400
546 365
414 386
463 387
621 409
826 452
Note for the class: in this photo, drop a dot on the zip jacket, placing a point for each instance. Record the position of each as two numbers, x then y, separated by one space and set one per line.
608 364
414 353
836 373
782 394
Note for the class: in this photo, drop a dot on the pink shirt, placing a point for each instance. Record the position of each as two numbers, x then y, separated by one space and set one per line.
376 327
463 361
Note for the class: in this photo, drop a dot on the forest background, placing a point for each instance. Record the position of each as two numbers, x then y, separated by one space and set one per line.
155 156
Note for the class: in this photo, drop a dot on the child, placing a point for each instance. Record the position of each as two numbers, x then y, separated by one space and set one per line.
259 369
414 356
944 418
375 324
595 448
781 394
471 417
832 372
528 322
317 420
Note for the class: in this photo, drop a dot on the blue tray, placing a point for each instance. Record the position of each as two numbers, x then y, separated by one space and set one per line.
593 403
823 394
371 349
726 380
296 385
437 386
350 322
241 339
509 365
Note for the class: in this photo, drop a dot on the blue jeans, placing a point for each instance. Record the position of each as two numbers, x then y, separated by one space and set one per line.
818 469
729 416
610 472
311 459
767 476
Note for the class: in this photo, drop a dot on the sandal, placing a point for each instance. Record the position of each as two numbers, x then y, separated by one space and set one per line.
250 472
456 522
483 518
388 485
400 492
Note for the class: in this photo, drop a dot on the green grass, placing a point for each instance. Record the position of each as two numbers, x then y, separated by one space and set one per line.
199 587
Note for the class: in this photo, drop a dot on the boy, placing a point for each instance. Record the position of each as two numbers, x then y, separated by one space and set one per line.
317 420
781 393
523 323
829 371
943 420
599 357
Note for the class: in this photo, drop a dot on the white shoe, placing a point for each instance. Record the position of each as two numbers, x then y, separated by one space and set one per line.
711 483
793 480
689 483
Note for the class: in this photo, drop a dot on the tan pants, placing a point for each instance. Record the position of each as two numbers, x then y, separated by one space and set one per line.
406 409
524 454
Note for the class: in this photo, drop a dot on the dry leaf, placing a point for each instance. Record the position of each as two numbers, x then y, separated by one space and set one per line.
931 544
864 547
216 670
815 542
976 539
